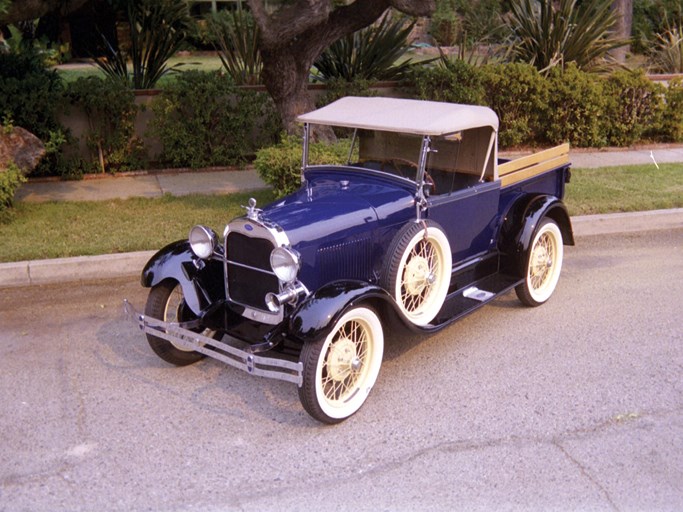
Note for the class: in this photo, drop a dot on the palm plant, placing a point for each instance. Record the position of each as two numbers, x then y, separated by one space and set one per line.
368 54
157 30
236 39
545 36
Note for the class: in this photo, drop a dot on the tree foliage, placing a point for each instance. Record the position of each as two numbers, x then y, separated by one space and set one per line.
14 11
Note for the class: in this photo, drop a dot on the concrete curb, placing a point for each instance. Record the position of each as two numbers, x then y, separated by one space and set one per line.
108 266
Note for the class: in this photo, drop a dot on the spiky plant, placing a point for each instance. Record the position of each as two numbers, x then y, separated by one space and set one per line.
547 36
668 53
157 30
368 54
235 37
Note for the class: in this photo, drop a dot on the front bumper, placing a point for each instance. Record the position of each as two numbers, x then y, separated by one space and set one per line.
240 358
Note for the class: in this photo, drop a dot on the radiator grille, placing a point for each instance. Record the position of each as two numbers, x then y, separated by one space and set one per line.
249 274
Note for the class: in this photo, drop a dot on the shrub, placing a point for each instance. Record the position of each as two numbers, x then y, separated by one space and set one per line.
453 81
633 105
203 119
671 128
111 110
10 180
29 93
339 88
518 94
576 108
280 165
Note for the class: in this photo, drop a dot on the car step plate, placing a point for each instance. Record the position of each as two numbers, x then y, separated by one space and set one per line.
475 293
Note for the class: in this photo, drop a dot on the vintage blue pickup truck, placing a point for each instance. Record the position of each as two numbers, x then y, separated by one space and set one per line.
424 226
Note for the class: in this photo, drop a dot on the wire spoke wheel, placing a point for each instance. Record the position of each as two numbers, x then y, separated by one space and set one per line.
341 369
544 265
418 275
166 302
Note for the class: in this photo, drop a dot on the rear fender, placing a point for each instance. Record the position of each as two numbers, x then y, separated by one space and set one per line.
202 281
316 317
521 223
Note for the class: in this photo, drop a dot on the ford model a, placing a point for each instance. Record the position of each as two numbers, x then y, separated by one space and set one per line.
425 226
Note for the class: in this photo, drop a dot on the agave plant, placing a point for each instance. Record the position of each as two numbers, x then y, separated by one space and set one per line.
545 36
668 54
368 54
236 39
157 29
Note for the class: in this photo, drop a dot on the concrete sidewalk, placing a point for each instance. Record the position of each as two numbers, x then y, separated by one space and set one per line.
222 181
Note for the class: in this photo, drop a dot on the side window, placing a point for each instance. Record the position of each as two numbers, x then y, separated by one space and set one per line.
457 160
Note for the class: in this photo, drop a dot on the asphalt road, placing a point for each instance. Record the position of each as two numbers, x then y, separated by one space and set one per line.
577 405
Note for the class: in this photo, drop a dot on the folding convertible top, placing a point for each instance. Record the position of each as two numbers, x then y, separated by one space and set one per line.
417 117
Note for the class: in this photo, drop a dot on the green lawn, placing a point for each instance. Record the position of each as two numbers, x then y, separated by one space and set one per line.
201 62
625 189
61 229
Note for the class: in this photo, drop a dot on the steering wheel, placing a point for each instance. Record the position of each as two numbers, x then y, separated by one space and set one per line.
397 164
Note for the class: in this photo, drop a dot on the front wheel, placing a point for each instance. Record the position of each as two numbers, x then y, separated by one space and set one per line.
341 369
166 302
543 265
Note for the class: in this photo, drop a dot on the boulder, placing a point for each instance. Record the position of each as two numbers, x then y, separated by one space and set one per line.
21 147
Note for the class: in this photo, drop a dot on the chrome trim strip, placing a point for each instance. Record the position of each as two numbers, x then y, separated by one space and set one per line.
269 367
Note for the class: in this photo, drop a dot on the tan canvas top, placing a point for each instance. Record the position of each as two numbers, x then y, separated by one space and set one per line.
402 115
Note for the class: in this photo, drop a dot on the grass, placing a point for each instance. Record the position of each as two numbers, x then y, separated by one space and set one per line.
625 189
62 229
200 62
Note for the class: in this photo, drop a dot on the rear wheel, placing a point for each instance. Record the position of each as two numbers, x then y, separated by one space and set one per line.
341 369
166 302
543 265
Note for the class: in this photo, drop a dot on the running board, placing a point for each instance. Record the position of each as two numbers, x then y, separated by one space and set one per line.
466 300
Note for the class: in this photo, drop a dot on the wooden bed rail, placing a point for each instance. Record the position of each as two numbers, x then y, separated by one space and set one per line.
528 166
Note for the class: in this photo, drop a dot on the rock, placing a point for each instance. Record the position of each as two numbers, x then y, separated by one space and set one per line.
21 147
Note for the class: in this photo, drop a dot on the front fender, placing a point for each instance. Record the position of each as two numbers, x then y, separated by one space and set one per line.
202 281
520 226
316 317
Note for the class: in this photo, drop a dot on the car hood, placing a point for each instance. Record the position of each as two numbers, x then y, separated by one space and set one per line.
342 202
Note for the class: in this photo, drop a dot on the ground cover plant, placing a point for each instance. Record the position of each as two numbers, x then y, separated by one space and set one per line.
77 228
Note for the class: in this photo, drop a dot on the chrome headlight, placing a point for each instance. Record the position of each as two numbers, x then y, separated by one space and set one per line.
203 241
285 264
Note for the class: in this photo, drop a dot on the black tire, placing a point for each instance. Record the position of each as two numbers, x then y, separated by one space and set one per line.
166 302
543 264
341 368
418 272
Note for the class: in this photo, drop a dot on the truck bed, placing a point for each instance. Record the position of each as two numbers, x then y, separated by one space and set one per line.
514 171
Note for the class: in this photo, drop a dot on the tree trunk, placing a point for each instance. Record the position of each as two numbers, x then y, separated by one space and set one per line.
622 29
297 32
285 75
